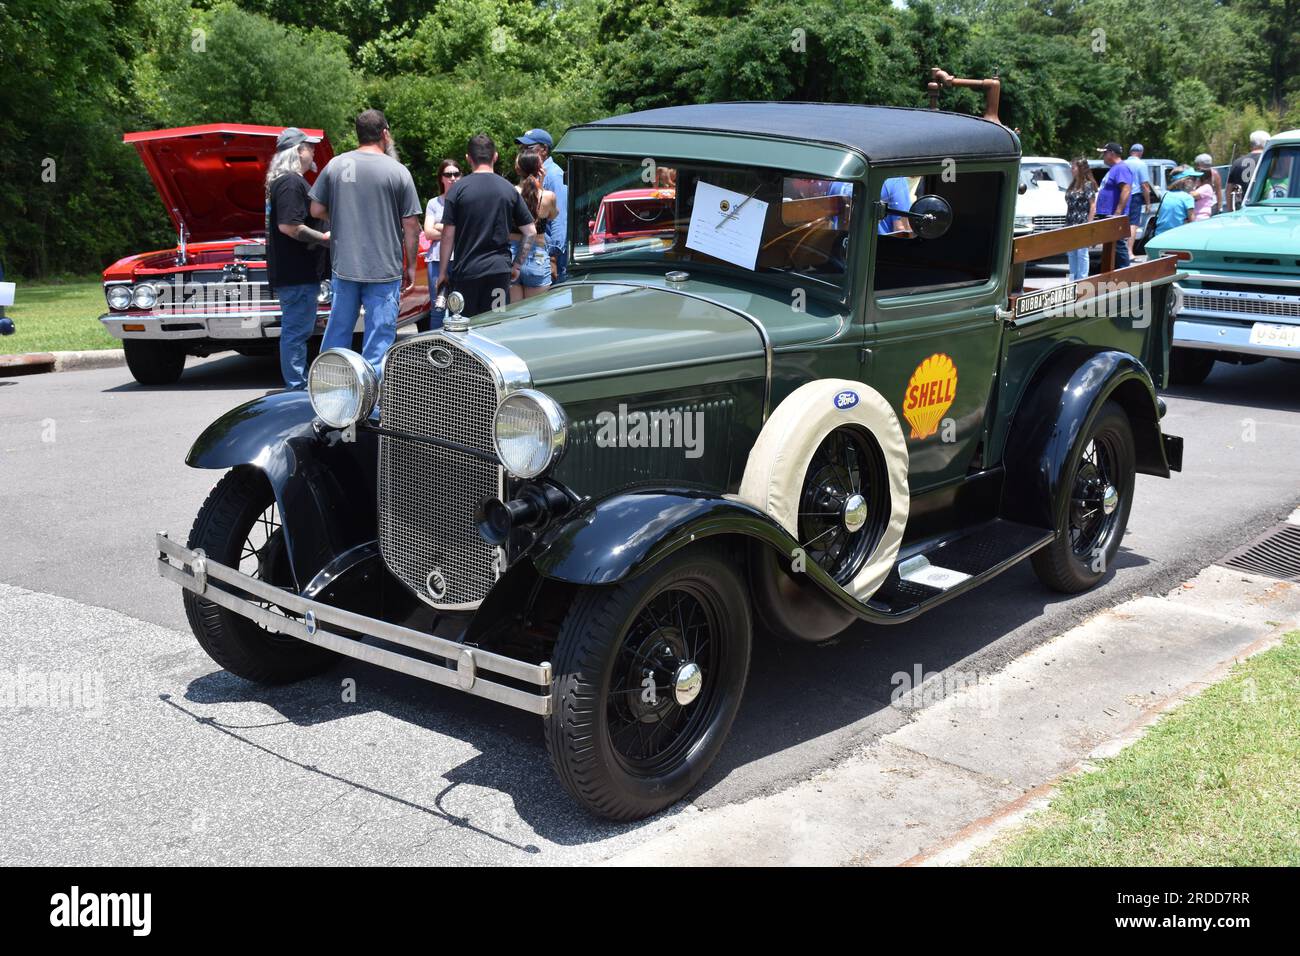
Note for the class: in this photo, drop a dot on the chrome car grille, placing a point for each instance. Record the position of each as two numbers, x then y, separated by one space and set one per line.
1243 304
1049 222
428 494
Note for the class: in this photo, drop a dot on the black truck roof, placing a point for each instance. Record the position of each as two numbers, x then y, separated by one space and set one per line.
883 134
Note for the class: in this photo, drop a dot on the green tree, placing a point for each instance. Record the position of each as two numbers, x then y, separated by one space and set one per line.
229 64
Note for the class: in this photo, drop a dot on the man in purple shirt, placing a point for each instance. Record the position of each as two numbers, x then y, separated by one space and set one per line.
1116 188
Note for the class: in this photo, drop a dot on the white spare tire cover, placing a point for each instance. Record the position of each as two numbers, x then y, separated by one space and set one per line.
778 463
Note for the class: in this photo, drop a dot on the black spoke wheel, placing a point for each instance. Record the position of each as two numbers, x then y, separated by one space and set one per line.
844 504
239 526
648 678
1092 505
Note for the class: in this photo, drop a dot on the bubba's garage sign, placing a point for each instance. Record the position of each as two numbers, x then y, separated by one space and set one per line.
1053 298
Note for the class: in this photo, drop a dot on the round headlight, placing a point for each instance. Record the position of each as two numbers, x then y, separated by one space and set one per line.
529 432
342 387
144 296
326 292
119 297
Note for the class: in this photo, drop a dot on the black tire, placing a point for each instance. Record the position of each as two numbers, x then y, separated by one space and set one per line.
1189 366
1087 535
608 636
154 363
231 514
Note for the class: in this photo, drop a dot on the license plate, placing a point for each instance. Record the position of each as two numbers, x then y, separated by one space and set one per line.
1286 336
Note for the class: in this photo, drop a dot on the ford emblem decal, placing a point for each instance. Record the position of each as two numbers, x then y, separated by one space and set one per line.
846 399
440 357
437 584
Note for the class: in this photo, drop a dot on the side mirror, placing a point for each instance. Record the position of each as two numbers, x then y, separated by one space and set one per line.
931 217
591 226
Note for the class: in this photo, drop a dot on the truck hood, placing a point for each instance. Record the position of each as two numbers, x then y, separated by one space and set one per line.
211 178
1255 230
597 329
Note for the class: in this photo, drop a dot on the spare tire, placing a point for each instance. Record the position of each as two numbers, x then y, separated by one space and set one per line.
830 466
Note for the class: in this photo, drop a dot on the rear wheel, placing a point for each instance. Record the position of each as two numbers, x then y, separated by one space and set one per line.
648 679
1092 506
154 363
239 526
1190 366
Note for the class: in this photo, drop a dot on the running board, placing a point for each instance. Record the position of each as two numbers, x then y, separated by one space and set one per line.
939 570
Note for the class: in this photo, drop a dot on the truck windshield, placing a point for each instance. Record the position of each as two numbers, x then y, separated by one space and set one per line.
733 218
1276 179
1033 174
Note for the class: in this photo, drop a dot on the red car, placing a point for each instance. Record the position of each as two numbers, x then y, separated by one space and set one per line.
633 214
208 293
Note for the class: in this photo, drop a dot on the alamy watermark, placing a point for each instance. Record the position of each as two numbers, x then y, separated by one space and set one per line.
658 428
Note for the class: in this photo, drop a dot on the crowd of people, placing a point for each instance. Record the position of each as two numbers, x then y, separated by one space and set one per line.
360 226
1193 191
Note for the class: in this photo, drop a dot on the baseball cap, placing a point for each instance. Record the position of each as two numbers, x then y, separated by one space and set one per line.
293 136
1136 148
536 137
1111 147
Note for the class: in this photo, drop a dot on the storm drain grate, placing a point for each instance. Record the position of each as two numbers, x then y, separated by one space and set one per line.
1276 554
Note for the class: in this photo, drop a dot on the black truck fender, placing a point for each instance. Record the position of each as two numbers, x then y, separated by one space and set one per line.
1060 403
324 485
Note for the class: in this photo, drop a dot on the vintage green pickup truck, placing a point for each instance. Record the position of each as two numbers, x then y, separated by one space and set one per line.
1237 295
789 406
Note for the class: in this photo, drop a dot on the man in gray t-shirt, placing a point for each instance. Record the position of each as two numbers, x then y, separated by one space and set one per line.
374 213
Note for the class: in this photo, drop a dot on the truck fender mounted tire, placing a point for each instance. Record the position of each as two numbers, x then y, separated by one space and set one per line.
835 417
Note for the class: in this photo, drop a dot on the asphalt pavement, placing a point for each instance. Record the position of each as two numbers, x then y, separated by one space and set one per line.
176 761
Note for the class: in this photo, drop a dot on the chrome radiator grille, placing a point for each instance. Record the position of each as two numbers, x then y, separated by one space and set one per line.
428 494
1049 222
1283 307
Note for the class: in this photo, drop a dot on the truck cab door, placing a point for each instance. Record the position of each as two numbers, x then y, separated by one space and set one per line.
934 314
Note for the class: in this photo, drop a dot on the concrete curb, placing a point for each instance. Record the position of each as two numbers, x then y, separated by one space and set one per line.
35 363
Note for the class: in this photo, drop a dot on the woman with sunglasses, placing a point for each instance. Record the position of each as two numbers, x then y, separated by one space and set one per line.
448 174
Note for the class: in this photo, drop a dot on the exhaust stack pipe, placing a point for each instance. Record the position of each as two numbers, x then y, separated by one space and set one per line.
992 90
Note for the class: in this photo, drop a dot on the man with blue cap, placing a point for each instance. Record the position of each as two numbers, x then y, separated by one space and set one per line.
1141 196
557 229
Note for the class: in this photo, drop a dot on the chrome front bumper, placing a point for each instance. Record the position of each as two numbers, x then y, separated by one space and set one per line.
193 571
221 326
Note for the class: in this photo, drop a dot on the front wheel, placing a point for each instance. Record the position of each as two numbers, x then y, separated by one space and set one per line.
154 363
239 526
1092 505
648 679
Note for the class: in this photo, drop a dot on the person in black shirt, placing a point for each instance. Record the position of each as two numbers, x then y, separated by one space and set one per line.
478 215
297 258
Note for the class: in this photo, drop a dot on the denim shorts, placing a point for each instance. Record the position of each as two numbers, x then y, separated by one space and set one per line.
536 270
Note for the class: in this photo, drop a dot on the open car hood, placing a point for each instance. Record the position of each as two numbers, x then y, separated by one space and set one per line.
212 178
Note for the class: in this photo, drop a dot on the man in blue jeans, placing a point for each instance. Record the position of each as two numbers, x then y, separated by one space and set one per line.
296 256
557 229
374 213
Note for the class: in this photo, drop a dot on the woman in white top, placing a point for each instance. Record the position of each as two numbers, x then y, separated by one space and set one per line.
448 173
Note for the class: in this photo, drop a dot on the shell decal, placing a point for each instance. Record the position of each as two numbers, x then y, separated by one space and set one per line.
930 393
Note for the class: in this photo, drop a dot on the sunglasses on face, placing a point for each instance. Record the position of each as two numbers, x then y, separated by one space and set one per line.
452 174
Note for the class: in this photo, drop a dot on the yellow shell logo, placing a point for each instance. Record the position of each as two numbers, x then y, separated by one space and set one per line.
929 394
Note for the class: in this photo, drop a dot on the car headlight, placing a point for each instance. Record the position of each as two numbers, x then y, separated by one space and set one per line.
1024 221
144 296
119 296
342 386
529 432
326 292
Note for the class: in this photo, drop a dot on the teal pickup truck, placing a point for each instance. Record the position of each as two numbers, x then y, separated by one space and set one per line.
1237 299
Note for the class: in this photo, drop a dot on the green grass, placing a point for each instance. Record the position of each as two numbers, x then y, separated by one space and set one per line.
58 316
1214 783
